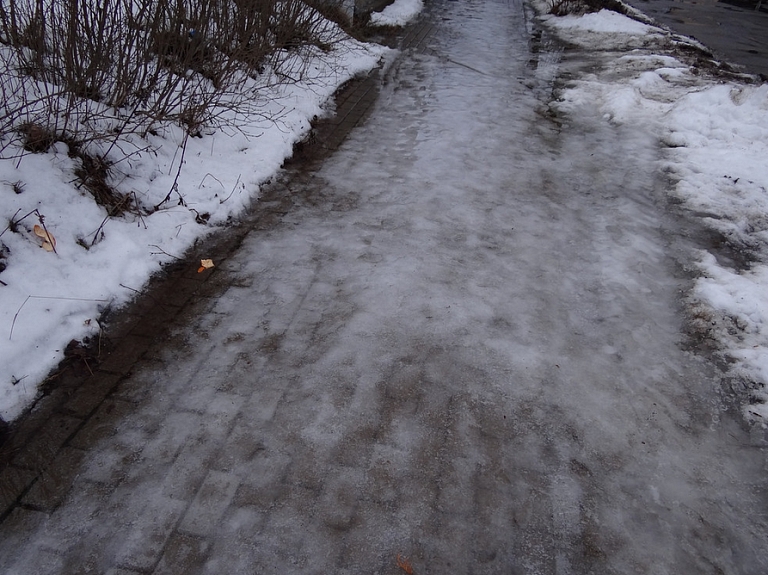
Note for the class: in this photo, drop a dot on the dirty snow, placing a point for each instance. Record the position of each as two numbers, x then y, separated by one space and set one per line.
399 13
715 134
602 22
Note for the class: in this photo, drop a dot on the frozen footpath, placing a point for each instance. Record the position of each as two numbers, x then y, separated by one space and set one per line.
455 345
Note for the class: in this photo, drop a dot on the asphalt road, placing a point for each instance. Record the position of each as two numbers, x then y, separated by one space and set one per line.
736 32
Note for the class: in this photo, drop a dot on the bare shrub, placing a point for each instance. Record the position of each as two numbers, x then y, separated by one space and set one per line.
93 175
333 11
88 72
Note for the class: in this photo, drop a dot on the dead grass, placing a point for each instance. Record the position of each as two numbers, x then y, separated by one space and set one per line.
36 138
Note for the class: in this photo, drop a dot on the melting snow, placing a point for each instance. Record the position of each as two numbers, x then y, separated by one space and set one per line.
399 13
716 136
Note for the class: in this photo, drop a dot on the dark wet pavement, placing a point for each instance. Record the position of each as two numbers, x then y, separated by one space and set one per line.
737 34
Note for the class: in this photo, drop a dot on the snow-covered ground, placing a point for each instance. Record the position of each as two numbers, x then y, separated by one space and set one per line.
716 136
399 13
50 297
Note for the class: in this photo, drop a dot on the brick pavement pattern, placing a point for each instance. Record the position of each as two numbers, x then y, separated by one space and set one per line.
304 407
93 437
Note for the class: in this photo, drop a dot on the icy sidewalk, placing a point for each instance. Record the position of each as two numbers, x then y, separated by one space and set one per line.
457 342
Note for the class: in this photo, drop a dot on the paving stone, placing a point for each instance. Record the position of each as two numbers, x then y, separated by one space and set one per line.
175 431
53 484
214 426
262 405
189 469
42 448
196 395
220 250
210 503
241 446
18 528
89 395
120 324
39 561
145 542
224 408
171 347
237 542
103 423
183 554
138 387
217 283
337 506
191 271
416 35
285 543
261 495
13 482
423 34
126 354
265 480
78 522
155 321
181 292
179 451
115 457
31 423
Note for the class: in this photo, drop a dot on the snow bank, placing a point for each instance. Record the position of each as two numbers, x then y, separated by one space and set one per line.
398 13
720 159
743 299
604 30
49 298
602 22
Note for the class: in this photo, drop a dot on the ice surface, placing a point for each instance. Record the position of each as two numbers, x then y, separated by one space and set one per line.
466 349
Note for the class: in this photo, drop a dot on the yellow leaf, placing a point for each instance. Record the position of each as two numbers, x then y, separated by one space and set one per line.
49 242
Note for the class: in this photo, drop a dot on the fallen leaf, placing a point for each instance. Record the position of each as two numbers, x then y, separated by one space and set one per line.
404 564
49 242
205 265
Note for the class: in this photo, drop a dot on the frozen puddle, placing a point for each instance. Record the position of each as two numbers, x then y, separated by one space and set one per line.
462 346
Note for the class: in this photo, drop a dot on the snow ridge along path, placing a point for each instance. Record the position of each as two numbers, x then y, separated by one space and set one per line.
462 344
